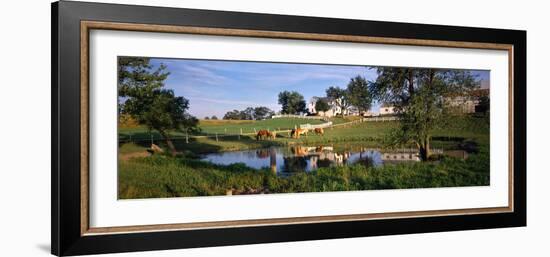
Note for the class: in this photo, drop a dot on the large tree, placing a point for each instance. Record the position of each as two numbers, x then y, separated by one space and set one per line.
232 115
341 98
359 95
418 95
292 102
262 112
321 106
247 114
142 96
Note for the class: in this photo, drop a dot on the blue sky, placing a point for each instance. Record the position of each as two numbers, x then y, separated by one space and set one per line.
215 87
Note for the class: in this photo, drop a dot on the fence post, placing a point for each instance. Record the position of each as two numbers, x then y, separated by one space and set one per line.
216 136
254 130
186 137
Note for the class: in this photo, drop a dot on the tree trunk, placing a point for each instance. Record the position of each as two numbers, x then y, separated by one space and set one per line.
411 83
425 144
169 143
424 149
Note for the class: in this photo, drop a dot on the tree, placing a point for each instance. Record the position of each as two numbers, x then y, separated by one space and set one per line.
262 112
143 97
250 113
321 106
247 114
232 115
292 102
340 97
214 117
206 118
417 95
484 104
359 95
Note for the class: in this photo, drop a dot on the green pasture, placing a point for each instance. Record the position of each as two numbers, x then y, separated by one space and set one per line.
205 143
460 130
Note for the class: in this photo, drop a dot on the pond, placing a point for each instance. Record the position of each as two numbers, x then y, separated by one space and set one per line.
290 159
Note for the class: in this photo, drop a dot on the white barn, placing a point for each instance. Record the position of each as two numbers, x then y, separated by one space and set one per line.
333 104
386 109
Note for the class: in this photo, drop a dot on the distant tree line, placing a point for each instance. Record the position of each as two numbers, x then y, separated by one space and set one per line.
214 117
250 113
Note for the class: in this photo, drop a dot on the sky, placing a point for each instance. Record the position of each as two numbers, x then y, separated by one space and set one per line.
215 87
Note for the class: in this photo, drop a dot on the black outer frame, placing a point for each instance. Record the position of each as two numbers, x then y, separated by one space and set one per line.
65 234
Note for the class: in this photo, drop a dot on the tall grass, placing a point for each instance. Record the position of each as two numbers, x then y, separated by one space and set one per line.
161 176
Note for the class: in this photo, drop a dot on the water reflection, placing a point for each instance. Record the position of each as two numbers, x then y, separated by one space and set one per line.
287 160
292 159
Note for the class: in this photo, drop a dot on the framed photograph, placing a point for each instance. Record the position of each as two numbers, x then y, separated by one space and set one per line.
178 128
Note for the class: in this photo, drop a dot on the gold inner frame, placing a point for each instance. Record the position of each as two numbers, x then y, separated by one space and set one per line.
86 26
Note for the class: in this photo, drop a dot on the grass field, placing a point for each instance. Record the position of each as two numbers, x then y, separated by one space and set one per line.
234 127
164 176
372 133
231 127
367 131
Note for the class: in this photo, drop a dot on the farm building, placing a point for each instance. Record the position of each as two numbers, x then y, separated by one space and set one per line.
332 103
466 103
386 109
334 108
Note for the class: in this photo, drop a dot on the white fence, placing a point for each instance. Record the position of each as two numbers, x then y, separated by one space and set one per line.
297 117
387 118
309 126
377 118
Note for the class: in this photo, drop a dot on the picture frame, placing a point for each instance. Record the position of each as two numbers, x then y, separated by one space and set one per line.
71 26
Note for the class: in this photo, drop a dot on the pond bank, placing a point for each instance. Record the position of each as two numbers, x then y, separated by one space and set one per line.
162 176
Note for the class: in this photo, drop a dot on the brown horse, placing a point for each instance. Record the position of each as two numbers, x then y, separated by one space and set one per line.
319 131
295 133
262 134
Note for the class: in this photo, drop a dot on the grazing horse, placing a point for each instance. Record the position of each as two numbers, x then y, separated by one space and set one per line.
295 133
272 135
319 131
262 134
